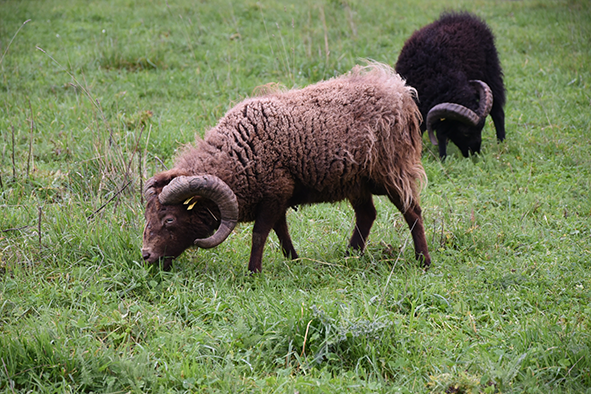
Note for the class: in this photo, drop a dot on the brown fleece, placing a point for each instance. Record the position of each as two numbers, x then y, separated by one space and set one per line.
345 138
331 138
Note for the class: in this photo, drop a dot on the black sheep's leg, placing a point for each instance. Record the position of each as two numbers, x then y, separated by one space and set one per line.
442 146
284 239
365 214
414 219
498 116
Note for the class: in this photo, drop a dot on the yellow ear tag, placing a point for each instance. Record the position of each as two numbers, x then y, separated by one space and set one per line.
188 200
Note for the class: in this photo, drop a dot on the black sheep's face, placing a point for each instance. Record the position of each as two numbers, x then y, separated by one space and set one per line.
171 229
467 138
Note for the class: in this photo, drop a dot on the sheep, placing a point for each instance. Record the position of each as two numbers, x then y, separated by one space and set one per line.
454 66
349 137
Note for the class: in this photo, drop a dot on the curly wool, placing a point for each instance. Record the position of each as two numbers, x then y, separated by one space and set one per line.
323 143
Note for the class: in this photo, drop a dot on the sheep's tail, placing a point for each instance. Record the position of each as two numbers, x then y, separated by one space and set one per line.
395 154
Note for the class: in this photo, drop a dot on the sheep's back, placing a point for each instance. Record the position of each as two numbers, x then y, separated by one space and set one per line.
440 58
332 137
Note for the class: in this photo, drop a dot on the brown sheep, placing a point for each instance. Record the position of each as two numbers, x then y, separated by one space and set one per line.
345 138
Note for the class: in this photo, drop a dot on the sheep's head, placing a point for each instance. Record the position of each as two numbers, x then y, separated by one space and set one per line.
460 124
183 211
466 137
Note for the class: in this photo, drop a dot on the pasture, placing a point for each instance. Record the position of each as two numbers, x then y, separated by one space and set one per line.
95 97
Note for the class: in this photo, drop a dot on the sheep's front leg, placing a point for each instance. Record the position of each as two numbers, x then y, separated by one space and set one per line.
284 239
268 216
442 146
365 215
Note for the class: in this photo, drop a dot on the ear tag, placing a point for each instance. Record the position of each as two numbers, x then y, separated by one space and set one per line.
188 200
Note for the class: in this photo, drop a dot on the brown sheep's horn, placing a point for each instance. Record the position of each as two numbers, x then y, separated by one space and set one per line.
485 97
149 188
213 188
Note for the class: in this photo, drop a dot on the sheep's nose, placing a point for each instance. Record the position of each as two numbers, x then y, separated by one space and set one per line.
145 254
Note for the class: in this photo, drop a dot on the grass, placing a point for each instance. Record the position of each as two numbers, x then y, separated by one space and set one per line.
96 97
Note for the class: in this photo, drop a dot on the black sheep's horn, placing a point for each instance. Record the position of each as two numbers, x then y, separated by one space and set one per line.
449 111
461 113
485 98
213 188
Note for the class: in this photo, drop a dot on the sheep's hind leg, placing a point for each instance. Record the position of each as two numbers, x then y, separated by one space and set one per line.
284 239
365 214
414 220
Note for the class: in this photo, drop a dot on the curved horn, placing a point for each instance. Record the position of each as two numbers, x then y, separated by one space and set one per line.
212 188
461 113
485 98
450 111
149 188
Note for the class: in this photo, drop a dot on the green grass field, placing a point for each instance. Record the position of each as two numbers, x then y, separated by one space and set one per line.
95 97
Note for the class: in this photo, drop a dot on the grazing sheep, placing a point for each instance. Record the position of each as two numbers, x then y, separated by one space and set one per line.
454 66
345 138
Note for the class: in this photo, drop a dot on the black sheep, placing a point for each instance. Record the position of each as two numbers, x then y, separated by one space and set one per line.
454 66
